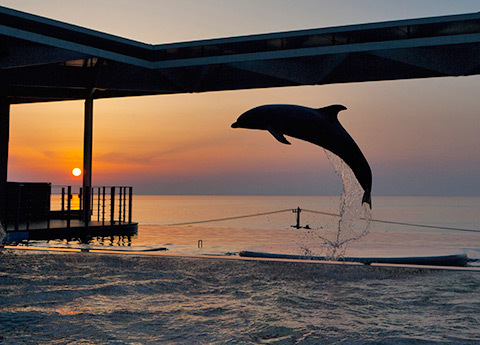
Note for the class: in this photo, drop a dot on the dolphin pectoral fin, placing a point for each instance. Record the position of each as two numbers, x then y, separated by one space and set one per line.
278 136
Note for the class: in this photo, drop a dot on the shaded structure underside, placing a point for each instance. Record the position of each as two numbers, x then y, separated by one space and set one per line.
45 60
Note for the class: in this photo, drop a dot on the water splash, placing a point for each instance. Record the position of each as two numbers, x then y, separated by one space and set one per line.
355 217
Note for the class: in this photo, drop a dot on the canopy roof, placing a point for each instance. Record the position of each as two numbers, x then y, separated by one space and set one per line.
46 60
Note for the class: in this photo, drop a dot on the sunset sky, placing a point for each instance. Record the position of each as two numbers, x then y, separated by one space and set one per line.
421 137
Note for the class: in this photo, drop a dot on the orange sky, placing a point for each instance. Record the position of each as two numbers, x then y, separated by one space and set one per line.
420 136
170 143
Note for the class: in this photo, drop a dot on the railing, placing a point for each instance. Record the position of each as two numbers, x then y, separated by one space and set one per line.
109 205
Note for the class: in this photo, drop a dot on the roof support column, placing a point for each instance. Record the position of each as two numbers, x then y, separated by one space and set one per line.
4 138
87 159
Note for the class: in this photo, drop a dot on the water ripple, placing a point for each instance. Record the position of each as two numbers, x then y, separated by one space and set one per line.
114 299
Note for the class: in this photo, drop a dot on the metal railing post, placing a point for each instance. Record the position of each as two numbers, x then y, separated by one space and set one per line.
92 205
69 204
49 198
98 205
130 191
63 201
124 203
120 204
112 205
103 205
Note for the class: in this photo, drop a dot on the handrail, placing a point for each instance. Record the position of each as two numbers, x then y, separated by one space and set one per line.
110 205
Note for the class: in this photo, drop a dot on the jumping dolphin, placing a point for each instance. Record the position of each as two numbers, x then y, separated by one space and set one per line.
317 126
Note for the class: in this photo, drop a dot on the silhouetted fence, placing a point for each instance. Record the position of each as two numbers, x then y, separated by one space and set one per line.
42 203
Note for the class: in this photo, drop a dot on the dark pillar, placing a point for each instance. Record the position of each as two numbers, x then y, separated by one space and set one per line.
4 138
87 159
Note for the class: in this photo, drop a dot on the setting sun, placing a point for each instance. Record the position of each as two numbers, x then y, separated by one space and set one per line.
76 172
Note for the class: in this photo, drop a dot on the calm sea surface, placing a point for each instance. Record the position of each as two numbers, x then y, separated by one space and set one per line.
178 223
150 298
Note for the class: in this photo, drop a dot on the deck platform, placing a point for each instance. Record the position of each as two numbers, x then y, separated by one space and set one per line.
35 213
59 230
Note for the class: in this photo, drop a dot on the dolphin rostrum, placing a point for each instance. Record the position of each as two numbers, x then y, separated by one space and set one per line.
317 126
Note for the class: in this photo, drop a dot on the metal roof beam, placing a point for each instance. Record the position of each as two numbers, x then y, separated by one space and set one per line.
308 71
68 45
17 55
438 59
327 50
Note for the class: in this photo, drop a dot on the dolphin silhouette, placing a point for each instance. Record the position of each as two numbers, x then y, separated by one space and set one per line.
317 126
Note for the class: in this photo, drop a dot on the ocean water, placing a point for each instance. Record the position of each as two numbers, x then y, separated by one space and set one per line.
178 223
88 298
181 296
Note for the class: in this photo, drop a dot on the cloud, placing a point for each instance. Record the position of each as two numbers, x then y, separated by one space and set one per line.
61 154
149 157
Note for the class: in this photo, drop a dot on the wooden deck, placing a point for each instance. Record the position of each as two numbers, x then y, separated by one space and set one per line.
59 229
34 212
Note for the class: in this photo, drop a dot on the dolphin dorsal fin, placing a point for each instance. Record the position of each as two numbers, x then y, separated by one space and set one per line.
332 110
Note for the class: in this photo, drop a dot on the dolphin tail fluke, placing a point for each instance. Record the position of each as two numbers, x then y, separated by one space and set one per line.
367 198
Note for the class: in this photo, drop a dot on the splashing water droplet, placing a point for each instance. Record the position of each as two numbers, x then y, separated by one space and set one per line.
355 217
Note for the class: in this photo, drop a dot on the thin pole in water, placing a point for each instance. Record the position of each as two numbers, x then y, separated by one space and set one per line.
298 210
